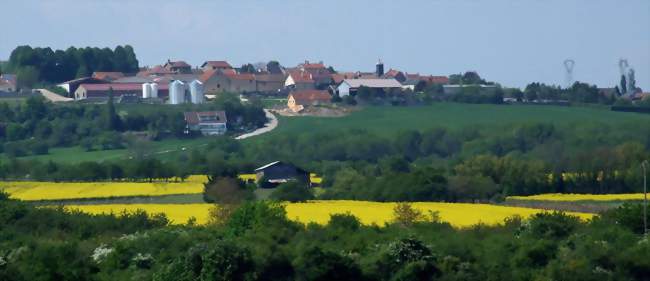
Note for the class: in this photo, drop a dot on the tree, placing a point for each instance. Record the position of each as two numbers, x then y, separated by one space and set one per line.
292 191
247 68
623 84
405 215
274 67
113 122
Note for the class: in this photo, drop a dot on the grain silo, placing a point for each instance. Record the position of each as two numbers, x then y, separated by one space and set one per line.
154 90
146 91
176 92
196 92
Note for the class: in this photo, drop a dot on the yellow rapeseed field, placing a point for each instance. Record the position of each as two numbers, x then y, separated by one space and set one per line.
31 191
458 214
579 197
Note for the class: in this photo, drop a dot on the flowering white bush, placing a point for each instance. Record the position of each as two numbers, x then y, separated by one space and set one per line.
143 260
101 252
3 262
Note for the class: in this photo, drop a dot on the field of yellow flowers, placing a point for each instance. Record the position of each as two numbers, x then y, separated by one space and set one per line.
34 191
458 214
579 197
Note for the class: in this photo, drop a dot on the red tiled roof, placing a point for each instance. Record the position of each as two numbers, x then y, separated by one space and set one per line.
240 76
206 75
313 65
437 79
392 73
301 77
306 97
339 77
179 63
217 64
119 87
107 75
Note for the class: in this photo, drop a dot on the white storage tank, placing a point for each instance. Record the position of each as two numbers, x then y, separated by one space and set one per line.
154 90
196 91
146 91
176 92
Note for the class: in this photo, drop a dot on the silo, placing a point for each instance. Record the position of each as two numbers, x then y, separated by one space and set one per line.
196 91
176 92
154 90
146 91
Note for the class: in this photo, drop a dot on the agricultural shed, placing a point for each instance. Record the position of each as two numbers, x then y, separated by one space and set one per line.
351 85
279 172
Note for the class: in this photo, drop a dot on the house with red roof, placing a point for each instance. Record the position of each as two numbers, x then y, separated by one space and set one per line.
215 65
178 67
299 100
300 80
209 123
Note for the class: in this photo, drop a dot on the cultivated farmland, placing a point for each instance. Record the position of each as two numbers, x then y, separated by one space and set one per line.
459 215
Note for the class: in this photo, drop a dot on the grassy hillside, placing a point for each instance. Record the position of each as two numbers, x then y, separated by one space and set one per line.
388 120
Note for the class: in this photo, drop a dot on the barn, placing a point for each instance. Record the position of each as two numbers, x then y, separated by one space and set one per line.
275 173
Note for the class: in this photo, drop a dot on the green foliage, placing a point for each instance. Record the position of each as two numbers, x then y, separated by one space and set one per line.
292 191
254 215
34 65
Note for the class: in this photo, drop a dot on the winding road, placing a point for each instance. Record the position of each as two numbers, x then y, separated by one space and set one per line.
273 122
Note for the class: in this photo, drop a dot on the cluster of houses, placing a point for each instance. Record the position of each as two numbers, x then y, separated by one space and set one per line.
306 83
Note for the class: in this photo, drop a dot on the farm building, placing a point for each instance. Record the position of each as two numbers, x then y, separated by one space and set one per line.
99 92
209 123
218 81
350 86
298 100
72 85
275 173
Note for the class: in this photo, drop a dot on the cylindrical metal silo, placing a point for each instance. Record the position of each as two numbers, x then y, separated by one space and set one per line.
176 92
196 91
154 90
146 91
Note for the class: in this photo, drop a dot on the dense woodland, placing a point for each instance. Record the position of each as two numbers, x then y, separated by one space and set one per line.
257 242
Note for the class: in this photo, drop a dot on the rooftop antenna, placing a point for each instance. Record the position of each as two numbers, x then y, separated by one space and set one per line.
568 66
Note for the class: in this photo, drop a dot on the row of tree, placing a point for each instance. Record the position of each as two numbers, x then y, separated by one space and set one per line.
44 65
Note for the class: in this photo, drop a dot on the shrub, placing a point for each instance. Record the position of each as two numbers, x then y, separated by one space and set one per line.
292 191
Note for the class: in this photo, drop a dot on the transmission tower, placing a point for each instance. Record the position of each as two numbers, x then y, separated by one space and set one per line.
568 67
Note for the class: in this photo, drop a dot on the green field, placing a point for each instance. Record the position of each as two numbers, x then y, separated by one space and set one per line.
162 149
388 120
385 121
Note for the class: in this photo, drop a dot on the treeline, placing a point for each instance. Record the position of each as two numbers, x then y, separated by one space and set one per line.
256 241
44 65
37 125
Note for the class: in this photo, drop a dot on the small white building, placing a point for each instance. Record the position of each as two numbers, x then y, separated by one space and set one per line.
351 85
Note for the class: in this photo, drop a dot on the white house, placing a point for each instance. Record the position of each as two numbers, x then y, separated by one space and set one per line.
351 85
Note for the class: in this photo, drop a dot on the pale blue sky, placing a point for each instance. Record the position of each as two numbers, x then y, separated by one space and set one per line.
509 41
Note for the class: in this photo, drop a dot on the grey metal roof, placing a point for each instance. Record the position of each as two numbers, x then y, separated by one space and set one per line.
373 83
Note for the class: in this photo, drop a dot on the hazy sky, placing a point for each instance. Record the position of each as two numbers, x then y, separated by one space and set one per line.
509 41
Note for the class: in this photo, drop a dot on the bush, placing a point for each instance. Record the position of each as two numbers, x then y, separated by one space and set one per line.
292 191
